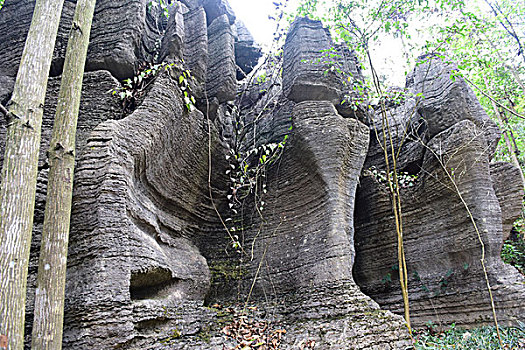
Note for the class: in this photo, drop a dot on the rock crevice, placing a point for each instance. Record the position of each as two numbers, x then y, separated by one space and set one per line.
160 241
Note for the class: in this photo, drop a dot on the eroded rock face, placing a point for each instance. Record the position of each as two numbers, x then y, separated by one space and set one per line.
221 79
451 199
121 36
98 105
155 189
448 99
308 68
247 51
196 44
509 191
303 239
149 177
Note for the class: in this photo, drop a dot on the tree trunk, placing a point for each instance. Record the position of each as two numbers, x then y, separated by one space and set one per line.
49 299
502 121
19 173
509 67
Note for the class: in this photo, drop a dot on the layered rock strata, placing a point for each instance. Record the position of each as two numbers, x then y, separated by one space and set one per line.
453 203
163 237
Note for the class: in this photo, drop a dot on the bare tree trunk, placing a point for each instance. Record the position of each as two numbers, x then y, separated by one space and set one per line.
49 299
508 26
509 67
19 173
510 147
502 120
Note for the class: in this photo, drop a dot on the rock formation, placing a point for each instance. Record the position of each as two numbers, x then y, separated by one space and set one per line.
450 195
246 196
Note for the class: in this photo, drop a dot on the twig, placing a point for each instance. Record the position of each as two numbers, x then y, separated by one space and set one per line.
3 109
210 173
493 100
482 244
393 185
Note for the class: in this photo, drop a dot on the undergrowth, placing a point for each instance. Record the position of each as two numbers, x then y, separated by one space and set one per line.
513 251
484 338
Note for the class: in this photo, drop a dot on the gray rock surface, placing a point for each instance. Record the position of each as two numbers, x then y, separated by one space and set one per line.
140 235
446 127
308 226
217 8
408 131
508 189
151 264
448 99
309 71
247 51
196 44
97 105
221 79
442 248
121 36
172 48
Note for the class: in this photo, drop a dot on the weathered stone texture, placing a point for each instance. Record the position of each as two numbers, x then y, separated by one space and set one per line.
97 105
408 133
148 177
217 8
221 79
149 249
196 44
509 190
247 51
447 99
120 36
446 132
302 242
308 69
172 48
310 203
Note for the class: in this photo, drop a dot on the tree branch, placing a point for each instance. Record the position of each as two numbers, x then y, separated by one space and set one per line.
3 109
493 100
510 30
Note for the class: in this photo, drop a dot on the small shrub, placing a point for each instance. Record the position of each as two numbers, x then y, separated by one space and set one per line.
480 338
513 251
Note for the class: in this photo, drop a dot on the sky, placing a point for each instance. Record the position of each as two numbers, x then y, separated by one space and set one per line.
387 55
254 13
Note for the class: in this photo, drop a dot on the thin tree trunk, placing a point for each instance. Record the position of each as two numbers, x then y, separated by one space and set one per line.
509 27
510 68
19 173
508 143
501 119
49 298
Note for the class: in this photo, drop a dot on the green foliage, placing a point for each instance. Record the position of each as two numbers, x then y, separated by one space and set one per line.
480 338
444 281
394 270
226 271
486 56
486 42
173 335
261 79
405 179
513 251
133 89
164 6
1 4
247 172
